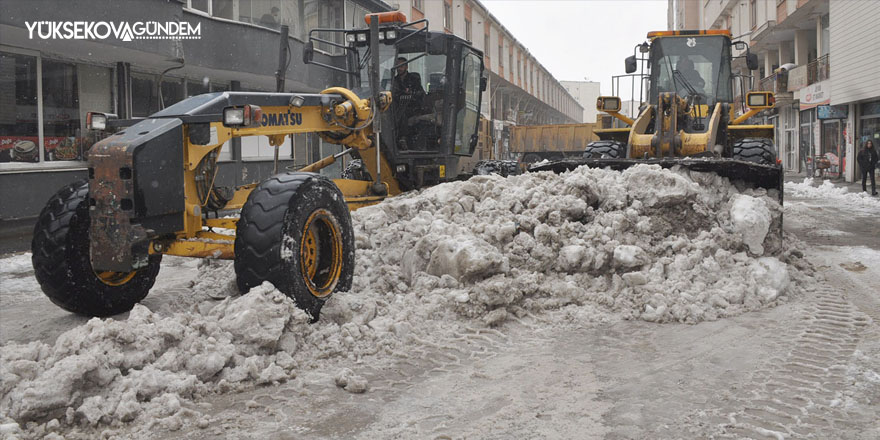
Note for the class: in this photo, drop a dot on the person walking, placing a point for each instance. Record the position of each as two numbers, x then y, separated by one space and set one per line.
868 158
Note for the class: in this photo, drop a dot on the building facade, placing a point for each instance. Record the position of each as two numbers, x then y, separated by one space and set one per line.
585 92
48 84
818 56
520 90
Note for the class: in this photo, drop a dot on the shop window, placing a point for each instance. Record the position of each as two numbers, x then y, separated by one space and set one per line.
195 88
258 148
325 14
806 136
61 117
355 14
333 171
95 95
201 5
869 123
18 108
172 91
144 100
223 9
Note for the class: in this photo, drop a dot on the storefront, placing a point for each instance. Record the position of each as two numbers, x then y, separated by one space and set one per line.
41 119
806 141
47 90
869 123
833 145
787 139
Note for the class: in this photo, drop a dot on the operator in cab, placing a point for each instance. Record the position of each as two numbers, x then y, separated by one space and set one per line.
406 94
686 68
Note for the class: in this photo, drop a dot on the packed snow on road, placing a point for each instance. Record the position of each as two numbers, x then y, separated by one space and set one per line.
586 247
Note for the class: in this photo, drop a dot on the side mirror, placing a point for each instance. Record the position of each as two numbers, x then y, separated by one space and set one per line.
308 52
752 61
608 104
631 64
474 141
484 83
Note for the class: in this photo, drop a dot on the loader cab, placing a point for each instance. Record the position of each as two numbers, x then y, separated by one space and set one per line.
436 81
692 66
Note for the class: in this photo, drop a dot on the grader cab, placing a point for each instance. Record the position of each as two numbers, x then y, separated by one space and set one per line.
688 118
98 244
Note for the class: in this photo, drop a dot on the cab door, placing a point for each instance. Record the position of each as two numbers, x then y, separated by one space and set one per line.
468 98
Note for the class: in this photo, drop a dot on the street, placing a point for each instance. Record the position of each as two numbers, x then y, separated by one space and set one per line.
804 367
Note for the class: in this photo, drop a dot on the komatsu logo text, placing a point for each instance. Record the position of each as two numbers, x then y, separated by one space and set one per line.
276 119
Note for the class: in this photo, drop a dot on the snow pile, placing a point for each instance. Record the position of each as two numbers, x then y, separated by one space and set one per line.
832 193
584 246
111 370
646 243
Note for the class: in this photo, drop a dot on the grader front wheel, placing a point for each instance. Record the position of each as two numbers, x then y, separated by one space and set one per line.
295 232
61 261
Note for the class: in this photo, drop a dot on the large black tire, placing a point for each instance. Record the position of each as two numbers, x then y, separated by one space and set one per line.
270 245
605 150
757 150
61 260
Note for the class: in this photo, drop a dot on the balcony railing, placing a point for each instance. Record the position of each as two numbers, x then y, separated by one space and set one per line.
819 69
776 83
808 74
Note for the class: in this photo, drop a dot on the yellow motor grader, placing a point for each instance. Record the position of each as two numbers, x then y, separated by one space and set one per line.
688 118
150 192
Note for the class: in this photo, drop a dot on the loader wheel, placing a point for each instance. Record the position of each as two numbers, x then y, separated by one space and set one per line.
605 150
757 150
60 250
295 232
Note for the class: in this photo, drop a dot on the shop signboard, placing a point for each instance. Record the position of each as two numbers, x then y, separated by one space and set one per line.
815 95
832 111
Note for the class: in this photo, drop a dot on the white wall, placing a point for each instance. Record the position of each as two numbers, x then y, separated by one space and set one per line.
855 37
585 92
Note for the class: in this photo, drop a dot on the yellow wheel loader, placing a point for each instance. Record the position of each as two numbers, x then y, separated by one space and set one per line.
150 192
688 118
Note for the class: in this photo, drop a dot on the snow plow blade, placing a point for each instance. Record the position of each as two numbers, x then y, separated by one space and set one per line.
752 174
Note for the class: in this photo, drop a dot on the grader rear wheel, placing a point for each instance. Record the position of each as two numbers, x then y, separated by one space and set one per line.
295 232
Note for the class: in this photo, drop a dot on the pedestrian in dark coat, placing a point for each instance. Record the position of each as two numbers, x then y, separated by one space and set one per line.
868 158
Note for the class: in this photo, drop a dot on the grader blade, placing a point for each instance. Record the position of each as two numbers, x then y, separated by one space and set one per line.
769 177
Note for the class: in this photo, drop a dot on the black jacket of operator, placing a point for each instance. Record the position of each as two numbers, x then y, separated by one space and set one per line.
868 158
407 85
